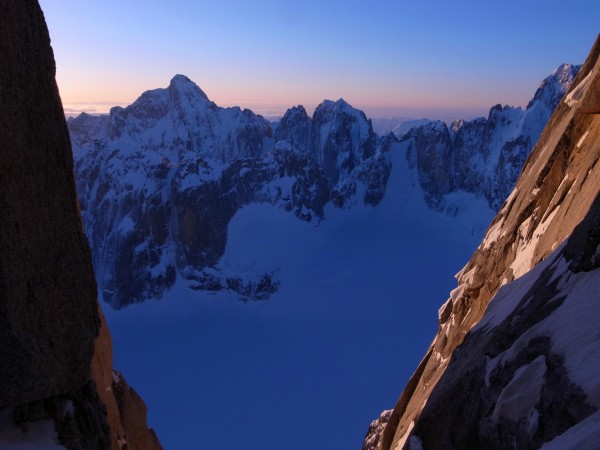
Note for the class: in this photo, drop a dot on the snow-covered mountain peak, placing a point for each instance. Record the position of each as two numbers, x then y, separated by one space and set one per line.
293 116
295 125
165 175
341 113
294 112
330 107
183 84
342 137
183 100
185 94
342 104
554 86
179 121
565 71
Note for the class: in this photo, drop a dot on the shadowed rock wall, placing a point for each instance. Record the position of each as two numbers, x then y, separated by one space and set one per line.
50 328
48 317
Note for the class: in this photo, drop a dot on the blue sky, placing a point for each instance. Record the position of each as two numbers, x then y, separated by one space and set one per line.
386 57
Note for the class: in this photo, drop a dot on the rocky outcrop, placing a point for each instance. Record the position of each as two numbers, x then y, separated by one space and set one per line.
484 156
513 364
339 136
295 126
375 430
342 141
342 137
48 310
431 156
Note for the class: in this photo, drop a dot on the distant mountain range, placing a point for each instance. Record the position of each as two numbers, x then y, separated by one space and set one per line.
159 180
484 156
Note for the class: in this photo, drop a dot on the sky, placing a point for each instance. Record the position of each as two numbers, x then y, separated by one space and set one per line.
389 58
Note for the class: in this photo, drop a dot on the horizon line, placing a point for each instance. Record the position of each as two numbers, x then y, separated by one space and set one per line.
273 112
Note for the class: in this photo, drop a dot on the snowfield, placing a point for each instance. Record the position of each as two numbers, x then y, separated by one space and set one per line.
313 361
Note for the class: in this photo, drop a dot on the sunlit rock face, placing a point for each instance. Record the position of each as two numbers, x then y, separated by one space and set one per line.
514 363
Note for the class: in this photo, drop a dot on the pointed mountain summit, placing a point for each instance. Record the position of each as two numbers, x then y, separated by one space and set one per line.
182 99
551 90
176 120
295 126
181 83
339 136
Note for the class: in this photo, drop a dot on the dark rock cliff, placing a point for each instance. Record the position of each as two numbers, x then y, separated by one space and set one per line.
47 287
49 319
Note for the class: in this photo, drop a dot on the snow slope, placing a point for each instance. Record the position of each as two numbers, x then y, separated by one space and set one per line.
38 435
307 368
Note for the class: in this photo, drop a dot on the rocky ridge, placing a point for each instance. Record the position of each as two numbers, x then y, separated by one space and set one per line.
159 180
50 332
519 325
483 156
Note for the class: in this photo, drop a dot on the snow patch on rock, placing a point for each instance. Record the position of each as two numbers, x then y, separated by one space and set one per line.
518 399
